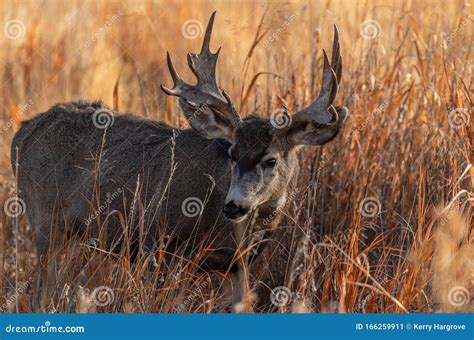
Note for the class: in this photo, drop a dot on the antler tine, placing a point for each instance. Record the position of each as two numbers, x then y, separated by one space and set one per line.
207 36
203 64
320 111
329 86
177 81
336 59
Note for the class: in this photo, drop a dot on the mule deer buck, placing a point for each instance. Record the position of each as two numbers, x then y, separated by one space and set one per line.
197 186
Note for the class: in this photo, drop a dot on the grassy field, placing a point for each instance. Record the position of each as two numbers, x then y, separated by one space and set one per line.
387 216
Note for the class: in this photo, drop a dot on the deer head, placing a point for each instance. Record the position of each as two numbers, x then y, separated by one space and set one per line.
263 155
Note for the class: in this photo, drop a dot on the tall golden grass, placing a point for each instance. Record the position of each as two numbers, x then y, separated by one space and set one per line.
388 213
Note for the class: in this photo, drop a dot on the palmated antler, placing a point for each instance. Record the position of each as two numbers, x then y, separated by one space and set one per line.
321 111
205 92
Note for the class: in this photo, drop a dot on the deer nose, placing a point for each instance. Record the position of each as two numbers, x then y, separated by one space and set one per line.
233 211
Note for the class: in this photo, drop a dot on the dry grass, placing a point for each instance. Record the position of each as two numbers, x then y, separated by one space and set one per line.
397 146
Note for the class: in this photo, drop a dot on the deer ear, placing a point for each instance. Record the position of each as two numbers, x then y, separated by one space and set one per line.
311 133
207 121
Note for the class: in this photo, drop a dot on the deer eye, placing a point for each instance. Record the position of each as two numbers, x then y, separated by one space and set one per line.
270 163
